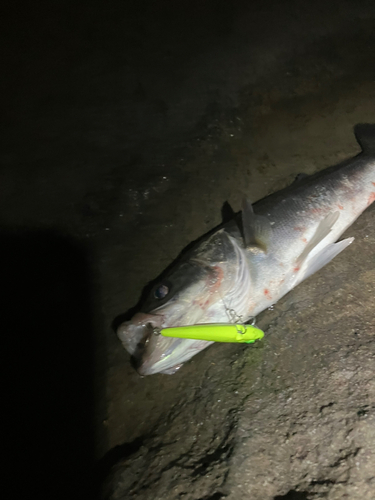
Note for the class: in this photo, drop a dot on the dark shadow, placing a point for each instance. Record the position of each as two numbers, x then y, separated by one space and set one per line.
227 212
49 340
293 495
214 496
114 456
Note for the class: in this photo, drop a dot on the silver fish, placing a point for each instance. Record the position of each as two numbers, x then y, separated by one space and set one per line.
249 263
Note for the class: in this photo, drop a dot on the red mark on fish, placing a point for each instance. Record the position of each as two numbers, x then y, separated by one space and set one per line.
371 198
214 282
267 293
316 210
340 207
219 275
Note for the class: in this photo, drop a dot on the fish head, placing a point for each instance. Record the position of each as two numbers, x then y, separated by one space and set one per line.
201 288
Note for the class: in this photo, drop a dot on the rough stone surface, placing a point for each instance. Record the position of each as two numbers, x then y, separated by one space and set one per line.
296 414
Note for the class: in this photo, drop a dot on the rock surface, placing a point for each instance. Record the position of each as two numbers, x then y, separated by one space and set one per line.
290 419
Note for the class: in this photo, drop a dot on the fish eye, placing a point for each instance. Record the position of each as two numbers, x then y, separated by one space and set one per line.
161 291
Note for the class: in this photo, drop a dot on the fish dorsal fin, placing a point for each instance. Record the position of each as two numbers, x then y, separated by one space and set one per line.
256 228
365 135
321 232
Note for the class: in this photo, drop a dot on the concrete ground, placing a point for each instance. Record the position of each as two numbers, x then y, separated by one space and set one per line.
126 126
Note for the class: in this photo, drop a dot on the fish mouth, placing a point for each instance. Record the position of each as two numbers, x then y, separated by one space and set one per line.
151 352
161 355
136 333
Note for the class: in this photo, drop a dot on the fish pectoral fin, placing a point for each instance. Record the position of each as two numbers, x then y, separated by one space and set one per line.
307 263
321 232
256 228
316 262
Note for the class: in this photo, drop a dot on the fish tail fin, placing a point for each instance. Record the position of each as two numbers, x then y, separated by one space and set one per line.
365 135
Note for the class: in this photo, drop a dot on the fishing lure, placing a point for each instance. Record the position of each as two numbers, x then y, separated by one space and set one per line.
216 332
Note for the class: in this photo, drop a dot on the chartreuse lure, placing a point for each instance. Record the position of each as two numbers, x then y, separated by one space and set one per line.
216 332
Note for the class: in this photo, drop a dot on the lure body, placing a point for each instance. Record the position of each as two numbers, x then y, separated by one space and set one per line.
216 332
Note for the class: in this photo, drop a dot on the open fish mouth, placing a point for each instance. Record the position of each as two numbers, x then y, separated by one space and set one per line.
151 352
167 354
136 334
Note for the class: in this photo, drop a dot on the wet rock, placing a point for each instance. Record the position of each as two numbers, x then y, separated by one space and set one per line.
293 418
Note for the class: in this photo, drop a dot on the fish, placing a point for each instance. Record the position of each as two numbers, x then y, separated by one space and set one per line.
249 263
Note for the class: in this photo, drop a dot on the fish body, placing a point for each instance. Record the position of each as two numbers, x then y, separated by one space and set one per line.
252 261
